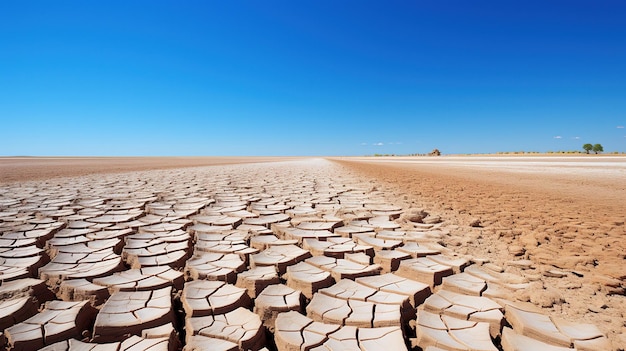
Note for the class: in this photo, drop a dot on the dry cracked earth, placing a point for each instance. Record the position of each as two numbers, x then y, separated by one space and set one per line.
298 255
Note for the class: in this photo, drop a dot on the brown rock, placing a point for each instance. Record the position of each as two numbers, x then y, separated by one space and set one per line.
553 273
432 220
414 215
516 250
476 223
540 295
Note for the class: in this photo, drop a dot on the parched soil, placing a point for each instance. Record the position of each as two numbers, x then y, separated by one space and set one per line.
561 218
19 169
400 253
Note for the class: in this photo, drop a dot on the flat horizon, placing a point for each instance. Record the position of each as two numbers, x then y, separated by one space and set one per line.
495 154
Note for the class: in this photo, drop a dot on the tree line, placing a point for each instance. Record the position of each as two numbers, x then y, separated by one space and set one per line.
595 148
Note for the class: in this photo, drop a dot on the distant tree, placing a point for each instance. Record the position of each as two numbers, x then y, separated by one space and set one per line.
597 148
588 147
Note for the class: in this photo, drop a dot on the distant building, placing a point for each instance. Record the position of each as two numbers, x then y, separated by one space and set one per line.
435 152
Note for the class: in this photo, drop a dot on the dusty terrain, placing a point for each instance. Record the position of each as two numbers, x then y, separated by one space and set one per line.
14 169
564 213
358 253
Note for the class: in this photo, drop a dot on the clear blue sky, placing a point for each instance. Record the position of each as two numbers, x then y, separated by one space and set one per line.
310 77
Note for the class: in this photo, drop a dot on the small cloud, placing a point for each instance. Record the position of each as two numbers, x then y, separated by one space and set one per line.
620 127
363 143
558 137
576 138
378 144
398 143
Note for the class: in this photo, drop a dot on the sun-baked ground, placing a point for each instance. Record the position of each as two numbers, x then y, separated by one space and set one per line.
13 169
563 213
399 248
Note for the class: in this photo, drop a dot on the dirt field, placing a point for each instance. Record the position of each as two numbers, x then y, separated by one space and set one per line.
544 231
13 169
563 213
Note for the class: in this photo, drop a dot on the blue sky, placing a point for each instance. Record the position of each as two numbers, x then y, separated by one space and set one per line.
310 77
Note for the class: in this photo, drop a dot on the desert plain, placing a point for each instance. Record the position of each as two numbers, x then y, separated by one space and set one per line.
355 253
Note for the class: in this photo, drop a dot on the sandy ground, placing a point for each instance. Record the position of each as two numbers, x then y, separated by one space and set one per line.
562 213
13 169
